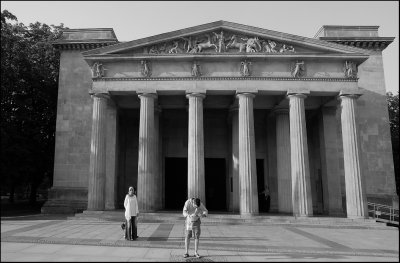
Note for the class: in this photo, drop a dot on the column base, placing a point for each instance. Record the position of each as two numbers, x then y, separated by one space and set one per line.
249 215
357 217
303 216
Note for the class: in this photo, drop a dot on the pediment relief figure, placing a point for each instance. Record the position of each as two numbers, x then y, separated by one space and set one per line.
350 69
145 68
245 68
98 70
298 69
196 69
219 42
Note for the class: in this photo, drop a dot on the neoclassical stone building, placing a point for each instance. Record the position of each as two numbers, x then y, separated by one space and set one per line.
219 111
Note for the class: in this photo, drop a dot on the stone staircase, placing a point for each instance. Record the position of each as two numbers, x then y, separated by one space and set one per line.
233 219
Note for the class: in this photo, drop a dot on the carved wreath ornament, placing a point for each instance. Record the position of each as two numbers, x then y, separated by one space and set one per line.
219 42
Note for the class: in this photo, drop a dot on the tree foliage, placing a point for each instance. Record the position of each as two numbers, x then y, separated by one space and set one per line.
29 86
393 106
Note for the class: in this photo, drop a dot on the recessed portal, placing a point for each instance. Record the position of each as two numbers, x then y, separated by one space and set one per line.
215 180
175 183
262 204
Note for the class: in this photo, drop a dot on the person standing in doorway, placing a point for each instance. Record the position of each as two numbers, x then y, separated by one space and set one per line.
267 198
131 214
192 211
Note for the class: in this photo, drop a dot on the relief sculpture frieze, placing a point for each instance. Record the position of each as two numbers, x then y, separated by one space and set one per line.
219 42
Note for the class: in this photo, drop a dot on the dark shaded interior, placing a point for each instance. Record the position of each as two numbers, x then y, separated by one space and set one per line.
175 183
215 184
260 184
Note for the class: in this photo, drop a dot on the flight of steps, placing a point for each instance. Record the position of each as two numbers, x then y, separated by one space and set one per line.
232 219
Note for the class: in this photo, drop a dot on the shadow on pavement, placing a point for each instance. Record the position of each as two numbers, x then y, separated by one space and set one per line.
23 210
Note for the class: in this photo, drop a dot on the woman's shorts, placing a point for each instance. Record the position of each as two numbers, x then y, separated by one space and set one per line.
195 232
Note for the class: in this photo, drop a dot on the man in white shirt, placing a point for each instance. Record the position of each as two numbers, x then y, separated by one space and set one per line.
192 211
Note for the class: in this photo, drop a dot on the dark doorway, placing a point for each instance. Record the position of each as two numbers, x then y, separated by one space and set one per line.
215 180
175 183
262 204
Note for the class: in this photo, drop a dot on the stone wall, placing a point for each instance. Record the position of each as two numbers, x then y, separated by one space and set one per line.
73 135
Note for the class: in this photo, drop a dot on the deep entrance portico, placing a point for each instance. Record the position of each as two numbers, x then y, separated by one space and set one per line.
221 151
204 128
218 111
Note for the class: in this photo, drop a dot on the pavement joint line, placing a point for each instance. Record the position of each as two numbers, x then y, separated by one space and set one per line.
180 245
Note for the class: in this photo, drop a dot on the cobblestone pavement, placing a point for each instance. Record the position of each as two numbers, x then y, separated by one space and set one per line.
82 240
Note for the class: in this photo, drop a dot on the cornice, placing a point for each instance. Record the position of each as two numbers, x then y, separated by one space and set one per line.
225 78
359 57
375 43
80 45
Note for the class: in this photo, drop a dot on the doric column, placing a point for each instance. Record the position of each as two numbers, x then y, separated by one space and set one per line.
97 171
196 180
247 156
146 163
235 158
301 187
283 161
111 157
328 143
356 202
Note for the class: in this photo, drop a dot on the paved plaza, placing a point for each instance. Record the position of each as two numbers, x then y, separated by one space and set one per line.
52 239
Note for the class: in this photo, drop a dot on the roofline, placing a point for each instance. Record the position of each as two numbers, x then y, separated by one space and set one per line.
223 25
345 27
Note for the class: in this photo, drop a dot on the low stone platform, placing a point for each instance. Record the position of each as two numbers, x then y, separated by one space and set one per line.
232 219
43 239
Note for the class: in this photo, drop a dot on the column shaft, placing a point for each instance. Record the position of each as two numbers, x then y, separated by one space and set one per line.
355 194
196 180
97 170
111 157
247 156
146 164
283 161
301 187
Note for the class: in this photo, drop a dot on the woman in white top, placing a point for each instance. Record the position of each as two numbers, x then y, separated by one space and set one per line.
131 212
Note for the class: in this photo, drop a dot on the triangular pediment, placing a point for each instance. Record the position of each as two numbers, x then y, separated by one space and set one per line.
223 37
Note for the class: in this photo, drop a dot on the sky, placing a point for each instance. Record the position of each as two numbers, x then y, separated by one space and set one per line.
138 19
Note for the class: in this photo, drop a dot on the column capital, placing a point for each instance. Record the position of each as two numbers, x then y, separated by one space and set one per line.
245 94
351 93
100 95
298 95
148 95
195 94
347 95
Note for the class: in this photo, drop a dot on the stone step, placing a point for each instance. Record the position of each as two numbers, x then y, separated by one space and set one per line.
222 218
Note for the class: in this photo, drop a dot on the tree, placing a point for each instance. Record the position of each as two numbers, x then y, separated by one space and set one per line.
29 89
393 106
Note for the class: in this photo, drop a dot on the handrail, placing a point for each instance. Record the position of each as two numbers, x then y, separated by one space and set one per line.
379 211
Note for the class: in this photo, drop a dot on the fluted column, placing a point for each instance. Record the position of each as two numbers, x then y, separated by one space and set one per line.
97 170
301 187
196 180
146 163
356 202
283 161
247 156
